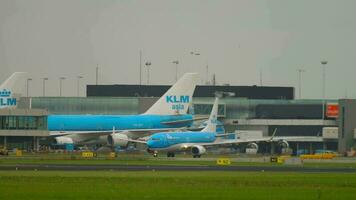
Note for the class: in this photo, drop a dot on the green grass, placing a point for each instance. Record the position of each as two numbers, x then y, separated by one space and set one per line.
175 185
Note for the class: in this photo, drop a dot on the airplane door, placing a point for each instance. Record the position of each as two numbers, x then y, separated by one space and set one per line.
165 141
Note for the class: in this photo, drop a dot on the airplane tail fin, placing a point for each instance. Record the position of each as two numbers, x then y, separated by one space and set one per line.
9 83
212 122
177 99
273 134
7 88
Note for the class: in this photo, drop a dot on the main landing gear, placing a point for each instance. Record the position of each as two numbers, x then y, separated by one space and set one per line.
170 154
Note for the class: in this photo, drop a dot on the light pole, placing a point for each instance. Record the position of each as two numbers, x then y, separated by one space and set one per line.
300 71
176 62
96 74
78 78
27 85
60 85
148 64
44 86
194 53
140 67
207 82
323 62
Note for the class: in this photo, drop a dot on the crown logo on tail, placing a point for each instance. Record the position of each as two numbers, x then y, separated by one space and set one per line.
5 93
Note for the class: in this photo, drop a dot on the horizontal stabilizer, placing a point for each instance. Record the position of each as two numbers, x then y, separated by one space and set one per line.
183 121
225 134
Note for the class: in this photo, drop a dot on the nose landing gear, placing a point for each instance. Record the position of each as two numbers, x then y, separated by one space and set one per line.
170 154
154 153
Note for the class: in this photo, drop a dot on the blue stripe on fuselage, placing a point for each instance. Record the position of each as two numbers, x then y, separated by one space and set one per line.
120 122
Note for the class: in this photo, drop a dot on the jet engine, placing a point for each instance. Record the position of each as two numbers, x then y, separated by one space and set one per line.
63 140
283 144
118 139
252 145
198 150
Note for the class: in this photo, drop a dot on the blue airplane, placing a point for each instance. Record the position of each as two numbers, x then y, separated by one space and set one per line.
168 113
171 142
196 142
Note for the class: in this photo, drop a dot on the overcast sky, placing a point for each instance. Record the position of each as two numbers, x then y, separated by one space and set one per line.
237 39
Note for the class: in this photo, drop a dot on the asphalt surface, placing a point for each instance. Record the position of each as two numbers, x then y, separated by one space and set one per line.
58 167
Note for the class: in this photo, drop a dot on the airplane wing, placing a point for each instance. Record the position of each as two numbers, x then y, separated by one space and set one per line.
92 133
299 138
234 141
185 146
264 139
139 132
135 141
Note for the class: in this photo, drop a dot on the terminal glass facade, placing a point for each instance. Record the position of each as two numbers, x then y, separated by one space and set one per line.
23 122
84 105
240 108
230 108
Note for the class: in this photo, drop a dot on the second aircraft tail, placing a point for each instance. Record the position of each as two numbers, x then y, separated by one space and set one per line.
213 118
177 99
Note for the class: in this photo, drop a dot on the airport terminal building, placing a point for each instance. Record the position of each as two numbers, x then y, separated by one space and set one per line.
253 111
22 128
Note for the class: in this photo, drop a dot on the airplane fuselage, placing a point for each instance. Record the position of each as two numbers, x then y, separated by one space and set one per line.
119 122
172 141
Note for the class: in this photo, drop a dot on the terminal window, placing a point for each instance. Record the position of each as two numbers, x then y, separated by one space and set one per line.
23 122
205 109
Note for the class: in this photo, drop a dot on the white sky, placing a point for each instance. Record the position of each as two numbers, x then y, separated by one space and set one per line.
236 39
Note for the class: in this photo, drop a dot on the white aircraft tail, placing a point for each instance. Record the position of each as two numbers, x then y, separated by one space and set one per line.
177 99
213 118
7 88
